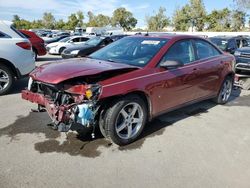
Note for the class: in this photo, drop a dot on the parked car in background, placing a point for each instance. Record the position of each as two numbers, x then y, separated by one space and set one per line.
90 46
37 43
129 82
55 39
58 47
229 44
43 33
16 56
60 34
242 56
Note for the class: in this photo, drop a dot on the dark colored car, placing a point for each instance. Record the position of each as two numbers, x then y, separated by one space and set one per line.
229 44
129 82
242 56
55 39
38 46
90 46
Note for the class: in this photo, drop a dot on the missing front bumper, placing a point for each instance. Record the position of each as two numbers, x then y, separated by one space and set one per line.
64 117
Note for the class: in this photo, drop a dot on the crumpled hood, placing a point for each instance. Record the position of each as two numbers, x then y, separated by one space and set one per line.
59 71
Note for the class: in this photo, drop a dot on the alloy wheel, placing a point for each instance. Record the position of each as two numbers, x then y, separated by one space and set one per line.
129 121
4 79
226 90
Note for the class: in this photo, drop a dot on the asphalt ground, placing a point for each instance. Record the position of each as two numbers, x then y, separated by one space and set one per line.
203 145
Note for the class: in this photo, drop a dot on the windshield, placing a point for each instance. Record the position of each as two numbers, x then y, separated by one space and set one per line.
64 39
131 50
94 41
221 43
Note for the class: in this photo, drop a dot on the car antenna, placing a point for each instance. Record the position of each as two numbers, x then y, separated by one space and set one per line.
147 33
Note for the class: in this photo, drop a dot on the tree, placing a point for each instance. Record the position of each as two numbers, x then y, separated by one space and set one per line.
181 19
48 20
75 20
60 24
72 22
197 14
21 23
80 18
98 21
158 21
123 18
37 24
238 20
245 4
219 20
92 20
103 20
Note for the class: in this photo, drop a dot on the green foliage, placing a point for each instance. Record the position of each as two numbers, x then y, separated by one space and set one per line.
158 21
48 20
190 15
123 18
98 21
238 20
197 14
245 4
181 19
219 20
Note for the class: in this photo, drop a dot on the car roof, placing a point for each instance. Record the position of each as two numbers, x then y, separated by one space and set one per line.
227 37
169 36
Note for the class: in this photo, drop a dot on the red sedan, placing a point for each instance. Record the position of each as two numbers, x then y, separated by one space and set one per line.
122 86
37 43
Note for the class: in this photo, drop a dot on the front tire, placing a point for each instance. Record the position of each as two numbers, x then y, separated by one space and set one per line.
225 91
125 120
6 79
61 50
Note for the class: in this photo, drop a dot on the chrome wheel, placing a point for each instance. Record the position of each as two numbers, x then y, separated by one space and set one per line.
129 121
4 79
226 90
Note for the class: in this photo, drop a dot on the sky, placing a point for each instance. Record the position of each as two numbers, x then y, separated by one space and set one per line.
34 9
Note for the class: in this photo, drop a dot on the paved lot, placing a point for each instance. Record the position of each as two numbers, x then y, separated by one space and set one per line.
204 145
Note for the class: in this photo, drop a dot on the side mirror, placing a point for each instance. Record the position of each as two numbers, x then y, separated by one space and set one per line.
170 64
231 50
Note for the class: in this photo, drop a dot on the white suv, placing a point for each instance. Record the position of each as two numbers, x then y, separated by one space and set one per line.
16 59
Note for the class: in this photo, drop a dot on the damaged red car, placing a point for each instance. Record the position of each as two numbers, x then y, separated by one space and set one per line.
126 84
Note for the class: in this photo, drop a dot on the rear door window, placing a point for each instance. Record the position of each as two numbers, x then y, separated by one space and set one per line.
205 50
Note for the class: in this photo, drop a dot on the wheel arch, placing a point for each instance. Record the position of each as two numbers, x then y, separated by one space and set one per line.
10 65
139 93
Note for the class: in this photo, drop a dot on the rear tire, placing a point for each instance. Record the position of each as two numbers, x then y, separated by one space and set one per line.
125 120
225 91
6 79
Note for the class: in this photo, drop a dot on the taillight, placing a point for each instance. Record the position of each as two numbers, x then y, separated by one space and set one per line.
24 45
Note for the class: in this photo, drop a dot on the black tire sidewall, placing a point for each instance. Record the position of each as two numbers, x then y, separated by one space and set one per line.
219 99
111 116
61 50
11 78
